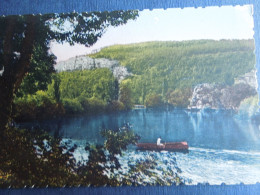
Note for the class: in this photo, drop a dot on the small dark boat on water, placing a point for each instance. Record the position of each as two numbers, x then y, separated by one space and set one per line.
170 146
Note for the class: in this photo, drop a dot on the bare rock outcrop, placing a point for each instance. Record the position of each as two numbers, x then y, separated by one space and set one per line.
219 96
87 63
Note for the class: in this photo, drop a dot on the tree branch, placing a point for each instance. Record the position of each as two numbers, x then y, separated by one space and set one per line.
26 52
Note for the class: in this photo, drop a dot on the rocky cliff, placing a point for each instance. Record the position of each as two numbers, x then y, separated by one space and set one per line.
218 96
87 63
248 78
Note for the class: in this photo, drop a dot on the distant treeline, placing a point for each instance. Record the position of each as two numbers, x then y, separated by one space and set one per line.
163 73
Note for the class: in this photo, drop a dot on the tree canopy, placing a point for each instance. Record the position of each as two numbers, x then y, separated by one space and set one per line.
172 68
34 157
24 45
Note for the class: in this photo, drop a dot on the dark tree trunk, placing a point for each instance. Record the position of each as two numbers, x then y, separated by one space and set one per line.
14 72
6 99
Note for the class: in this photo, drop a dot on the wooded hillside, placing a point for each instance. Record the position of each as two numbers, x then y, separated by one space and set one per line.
163 68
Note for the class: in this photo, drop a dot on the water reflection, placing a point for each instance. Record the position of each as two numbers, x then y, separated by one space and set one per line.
205 129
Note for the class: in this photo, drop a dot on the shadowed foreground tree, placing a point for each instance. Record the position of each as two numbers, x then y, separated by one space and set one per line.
103 164
28 158
25 40
36 159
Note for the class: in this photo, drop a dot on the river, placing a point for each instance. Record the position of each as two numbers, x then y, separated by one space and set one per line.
224 146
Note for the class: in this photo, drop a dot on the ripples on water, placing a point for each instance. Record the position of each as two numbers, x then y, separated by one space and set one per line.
201 165
224 147
220 166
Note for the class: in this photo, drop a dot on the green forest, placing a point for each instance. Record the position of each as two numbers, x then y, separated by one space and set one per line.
29 87
87 91
169 70
162 73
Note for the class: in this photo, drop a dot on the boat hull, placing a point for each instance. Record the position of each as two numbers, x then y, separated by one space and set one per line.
171 146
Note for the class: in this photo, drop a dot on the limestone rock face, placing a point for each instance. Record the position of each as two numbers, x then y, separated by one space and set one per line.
87 63
219 96
248 78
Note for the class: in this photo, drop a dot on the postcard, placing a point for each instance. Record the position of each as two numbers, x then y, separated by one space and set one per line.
129 98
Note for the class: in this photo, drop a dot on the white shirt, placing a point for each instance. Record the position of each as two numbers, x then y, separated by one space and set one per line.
159 141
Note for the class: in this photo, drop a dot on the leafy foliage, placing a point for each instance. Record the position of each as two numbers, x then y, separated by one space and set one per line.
35 159
179 97
38 106
24 45
86 28
39 73
98 83
56 87
125 95
88 91
103 162
42 160
143 173
116 141
163 67
154 101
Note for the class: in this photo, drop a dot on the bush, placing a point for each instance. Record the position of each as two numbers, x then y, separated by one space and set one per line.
25 160
92 105
96 105
179 97
42 98
72 106
25 110
154 101
35 107
116 106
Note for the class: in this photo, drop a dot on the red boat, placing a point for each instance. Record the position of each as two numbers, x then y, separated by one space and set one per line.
170 146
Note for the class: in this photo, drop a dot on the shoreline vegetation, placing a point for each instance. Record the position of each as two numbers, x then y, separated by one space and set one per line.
164 74
154 74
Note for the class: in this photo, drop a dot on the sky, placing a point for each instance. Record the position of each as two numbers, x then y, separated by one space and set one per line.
226 22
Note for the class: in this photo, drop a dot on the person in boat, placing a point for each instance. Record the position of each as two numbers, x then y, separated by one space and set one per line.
159 142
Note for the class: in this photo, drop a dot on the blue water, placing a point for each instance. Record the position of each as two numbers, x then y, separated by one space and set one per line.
224 146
